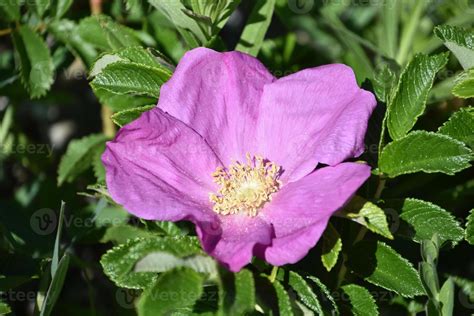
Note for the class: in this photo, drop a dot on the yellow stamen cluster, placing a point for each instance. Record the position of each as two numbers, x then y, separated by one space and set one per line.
245 187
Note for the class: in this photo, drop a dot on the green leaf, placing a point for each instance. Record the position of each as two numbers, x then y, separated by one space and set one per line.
424 151
159 262
36 66
442 91
218 11
190 29
362 302
42 6
254 32
4 308
103 61
121 102
409 101
135 54
221 12
78 157
62 6
464 87
124 117
446 297
105 34
460 126
384 82
118 262
97 165
162 261
332 246
284 304
55 287
174 291
421 220
11 9
106 215
244 300
304 291
460 41
455 34
367 214
66 32
169 228
120 234
130 4
117 35
131 78
326 295
383 266
469 234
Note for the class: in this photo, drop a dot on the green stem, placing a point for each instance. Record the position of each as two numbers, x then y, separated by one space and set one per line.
108 127
273 274
409 32
382 133
380 187
342 271
96 6
360 235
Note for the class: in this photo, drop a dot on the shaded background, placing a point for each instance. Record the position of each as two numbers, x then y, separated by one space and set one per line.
302 34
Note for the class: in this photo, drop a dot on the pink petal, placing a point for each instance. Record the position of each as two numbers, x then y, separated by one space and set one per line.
233 239
158 168
317 115
300 211
217 94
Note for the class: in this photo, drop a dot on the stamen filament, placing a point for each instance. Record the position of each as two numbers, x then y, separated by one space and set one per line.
245 187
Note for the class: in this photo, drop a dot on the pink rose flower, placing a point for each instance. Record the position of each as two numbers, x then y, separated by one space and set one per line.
234 150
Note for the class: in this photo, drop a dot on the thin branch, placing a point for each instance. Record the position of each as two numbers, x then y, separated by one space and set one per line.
108 127
96 6
5 32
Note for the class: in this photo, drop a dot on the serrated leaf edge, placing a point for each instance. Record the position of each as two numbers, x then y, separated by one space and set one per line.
468 155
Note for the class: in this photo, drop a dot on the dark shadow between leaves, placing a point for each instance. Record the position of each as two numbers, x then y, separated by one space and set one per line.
362 260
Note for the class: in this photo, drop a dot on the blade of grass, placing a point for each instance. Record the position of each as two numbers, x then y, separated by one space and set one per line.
254 32
409 31
390 16
55 260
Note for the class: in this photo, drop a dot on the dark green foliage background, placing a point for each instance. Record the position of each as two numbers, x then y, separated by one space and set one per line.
402 246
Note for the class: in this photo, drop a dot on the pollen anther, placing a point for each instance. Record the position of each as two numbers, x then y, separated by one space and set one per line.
245 187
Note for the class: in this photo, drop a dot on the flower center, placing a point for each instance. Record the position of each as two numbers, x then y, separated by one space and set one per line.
245 187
